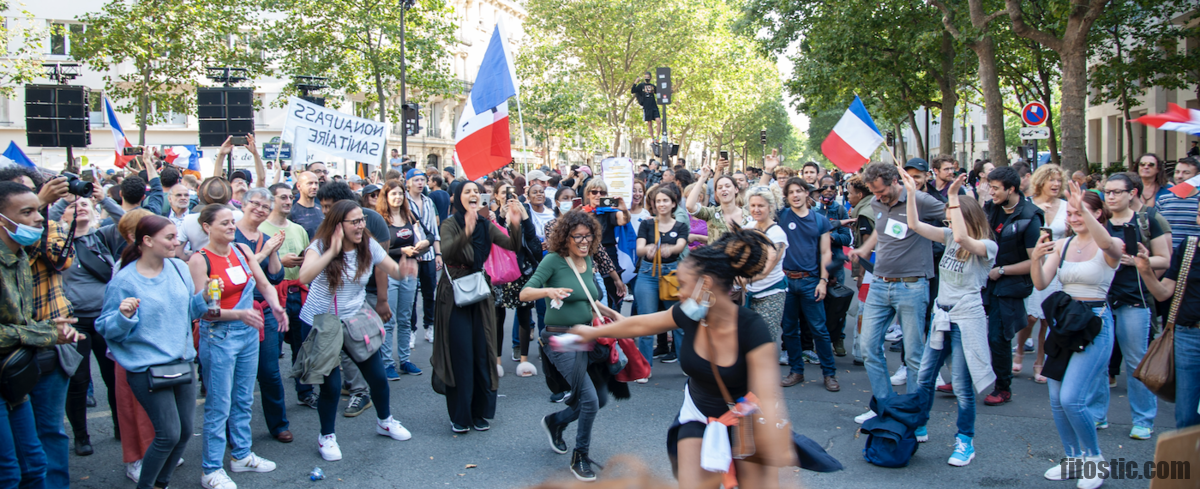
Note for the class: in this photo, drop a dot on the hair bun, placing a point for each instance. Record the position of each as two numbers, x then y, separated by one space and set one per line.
747 250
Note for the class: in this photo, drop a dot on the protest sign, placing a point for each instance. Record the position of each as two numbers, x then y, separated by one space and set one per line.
618 175
312 128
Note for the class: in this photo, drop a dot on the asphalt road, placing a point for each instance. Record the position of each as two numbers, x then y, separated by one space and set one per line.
1015 443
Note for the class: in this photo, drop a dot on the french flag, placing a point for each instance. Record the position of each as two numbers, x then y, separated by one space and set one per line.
120 142
481 140
186 158
853 139
1177 119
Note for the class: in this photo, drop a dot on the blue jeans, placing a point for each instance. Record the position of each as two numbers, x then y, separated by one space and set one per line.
964 389
229 353
402 296
886 300
1187 376
22 460
270 381
645 294
1072 401
801 300
1132 328
49 402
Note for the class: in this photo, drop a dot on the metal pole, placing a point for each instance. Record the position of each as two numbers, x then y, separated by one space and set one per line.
403 70
524 148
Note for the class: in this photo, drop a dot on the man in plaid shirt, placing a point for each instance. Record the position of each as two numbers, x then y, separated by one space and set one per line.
50 303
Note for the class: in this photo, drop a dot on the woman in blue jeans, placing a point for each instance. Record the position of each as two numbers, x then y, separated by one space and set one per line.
229 345
1187 325
1085 264
959 330
407 240
661 239
336 267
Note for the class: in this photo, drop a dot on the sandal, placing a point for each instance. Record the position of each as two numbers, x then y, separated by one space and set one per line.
1018 363
1037 374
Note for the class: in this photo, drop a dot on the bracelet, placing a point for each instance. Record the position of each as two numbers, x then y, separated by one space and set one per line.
823 279
951 207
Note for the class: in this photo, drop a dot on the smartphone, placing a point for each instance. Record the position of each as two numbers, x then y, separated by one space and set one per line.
133 151
576 203
1046 231
485 200
239 140
724 155
509 195
1131 238
608 201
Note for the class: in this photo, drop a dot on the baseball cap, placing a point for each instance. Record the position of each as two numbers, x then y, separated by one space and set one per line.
415 172
918 163
354 178
242 174
537 175
585 170
370 189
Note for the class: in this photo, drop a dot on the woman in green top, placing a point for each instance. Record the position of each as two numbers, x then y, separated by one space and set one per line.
572 243
729 199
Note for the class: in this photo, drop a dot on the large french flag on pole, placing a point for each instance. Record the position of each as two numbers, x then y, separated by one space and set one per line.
481 139
853 139
120 142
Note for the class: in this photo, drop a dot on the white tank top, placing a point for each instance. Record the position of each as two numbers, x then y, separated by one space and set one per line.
1087 279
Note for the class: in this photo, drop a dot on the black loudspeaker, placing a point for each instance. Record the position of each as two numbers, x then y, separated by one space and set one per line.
313 100
56 116
224 112
664 87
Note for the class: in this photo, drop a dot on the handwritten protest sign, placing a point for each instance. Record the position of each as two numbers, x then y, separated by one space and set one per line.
312 128
618 175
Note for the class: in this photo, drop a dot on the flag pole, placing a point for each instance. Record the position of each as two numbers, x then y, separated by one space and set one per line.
524 149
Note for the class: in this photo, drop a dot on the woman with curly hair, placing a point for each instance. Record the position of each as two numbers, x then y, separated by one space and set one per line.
565 278
720 338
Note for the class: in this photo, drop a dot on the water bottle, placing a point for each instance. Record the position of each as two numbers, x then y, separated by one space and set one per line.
316 474
214 297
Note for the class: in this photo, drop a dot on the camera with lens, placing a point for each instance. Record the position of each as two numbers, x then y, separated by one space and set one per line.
76 185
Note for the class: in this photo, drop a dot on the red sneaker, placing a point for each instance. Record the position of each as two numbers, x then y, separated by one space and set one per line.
946 388
997 397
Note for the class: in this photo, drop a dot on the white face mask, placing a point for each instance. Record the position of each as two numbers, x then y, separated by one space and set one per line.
565 206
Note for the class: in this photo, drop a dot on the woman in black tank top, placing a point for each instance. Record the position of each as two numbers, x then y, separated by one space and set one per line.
406 240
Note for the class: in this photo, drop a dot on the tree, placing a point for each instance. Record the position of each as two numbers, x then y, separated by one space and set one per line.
169 44
1031 72
1071 45
556 103
1135 42
355 44
23 45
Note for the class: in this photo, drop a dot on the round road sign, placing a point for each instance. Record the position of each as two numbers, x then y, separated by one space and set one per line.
1034 114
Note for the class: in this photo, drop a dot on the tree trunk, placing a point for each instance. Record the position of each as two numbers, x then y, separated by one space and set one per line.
993 100
912 120
616 141
947 84
1124 100
144 106
900 144
1044 77
1074 102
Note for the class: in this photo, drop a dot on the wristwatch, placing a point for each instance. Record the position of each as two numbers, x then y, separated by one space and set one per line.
1000 271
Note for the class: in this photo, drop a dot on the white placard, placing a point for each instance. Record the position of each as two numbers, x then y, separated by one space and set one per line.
618 175
312 128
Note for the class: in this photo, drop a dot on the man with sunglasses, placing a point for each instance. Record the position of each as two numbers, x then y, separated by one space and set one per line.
835 308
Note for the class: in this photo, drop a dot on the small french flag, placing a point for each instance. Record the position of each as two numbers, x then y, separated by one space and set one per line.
120 142
853 139
1177 119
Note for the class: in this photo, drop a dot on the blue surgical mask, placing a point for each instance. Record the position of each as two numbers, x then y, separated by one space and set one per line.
565 206
696 310
24 235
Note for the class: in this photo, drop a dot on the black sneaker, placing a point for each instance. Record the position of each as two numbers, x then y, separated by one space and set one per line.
660 351
581 466
555 434
83 447
458 428
91 401
310 401
480 424
359 402
559 396
668 358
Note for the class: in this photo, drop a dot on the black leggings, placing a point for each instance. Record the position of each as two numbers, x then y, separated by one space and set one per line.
78 386
171 411
524 325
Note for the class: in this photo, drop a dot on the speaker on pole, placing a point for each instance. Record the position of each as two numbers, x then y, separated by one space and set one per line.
224 112
56 116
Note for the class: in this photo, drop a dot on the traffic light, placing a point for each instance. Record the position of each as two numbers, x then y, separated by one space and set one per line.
664 87
762 136
891 138
412 118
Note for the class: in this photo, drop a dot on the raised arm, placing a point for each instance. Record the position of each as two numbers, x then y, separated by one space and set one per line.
1161 290
958 225
1043 272
260 172
1112 248
630 327
693 199
926 231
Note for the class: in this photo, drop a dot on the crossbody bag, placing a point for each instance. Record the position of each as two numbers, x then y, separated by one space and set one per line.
1157 368
179 372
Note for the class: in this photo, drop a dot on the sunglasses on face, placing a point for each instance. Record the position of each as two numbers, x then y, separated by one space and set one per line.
598 192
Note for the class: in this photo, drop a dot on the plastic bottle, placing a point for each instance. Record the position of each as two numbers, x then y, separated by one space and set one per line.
316 474
214 297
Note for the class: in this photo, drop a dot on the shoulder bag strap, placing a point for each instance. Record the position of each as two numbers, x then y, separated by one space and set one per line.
1062 255
571 265
1181 280
713 363
656 271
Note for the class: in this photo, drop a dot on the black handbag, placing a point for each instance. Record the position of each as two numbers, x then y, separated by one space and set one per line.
19 374
169 375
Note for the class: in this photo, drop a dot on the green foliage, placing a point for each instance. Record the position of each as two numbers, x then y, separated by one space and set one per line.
355 44
23 43
168 44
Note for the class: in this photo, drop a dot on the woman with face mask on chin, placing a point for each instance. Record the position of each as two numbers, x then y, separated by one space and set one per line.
720 335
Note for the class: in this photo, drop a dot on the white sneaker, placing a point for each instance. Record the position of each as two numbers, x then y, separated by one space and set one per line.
429 335
328 446
862 418
133 470
901 376
252 463
391 427
499 370
217 480
1094 481
893 335
1061 473
412 341
939 381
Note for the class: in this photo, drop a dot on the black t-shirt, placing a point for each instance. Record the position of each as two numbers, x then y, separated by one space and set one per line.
752 333
401 236
1127 287
378 228
668 237
608 228
644 97
1189 307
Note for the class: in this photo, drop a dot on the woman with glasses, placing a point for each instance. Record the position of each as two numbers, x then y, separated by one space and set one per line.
572 243
661 239
337 266
609 218
464 342
229 343
257 205
1047 183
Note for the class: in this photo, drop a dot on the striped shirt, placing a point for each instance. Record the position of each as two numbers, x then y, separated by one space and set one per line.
426 212
351 294
1181 214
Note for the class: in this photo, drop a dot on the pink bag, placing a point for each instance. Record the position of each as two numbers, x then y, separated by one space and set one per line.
501 264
